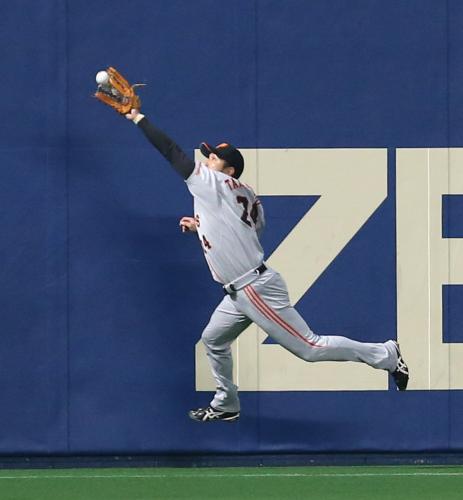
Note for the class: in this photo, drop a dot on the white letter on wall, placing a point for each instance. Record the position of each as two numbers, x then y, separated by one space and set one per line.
425 262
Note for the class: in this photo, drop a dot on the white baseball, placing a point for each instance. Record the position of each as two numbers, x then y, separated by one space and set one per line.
102 77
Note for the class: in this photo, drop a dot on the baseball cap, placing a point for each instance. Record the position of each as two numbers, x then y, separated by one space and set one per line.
226 152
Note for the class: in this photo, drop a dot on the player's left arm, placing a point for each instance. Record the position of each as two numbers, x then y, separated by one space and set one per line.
188 224
164 144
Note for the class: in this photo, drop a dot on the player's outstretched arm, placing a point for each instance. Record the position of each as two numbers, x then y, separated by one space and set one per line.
164 144
188 224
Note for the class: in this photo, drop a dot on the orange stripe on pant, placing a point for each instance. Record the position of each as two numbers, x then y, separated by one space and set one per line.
270 314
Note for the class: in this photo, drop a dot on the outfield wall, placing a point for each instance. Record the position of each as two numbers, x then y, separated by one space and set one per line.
350 116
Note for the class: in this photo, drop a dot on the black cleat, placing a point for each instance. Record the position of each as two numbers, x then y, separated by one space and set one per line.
209 414
400 374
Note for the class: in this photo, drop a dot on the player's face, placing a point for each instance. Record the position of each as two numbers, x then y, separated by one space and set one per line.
215 163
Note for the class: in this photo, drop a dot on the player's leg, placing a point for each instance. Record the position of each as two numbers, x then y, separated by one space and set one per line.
225 325
266 302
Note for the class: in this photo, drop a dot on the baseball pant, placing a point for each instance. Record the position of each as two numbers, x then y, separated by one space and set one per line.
266 302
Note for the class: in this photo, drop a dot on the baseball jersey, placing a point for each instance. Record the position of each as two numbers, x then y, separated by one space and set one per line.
229 219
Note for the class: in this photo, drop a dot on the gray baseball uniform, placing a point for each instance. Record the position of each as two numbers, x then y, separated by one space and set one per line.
230 217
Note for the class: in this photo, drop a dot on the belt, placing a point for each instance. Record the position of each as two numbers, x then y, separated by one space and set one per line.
244 280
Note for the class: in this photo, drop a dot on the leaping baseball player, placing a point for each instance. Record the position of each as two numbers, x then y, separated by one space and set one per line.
229 219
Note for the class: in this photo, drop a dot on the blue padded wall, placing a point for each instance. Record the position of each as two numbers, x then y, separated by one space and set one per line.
103 299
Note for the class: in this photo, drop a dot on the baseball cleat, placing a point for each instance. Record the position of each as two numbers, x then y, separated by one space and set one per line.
400 374
209 414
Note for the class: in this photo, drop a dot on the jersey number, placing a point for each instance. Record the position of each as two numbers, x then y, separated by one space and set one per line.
206 245
242 200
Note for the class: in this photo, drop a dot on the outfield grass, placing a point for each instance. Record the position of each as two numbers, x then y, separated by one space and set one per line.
324 483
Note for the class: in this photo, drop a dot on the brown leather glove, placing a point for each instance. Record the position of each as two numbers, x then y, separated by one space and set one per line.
118 93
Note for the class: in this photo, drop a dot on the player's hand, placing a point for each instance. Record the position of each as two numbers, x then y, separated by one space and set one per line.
188 224
132 115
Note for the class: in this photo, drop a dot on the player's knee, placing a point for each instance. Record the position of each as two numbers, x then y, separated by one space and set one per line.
212 342
309 354
205 338
208 339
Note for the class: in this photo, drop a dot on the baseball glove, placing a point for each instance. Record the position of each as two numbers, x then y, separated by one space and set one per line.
118 93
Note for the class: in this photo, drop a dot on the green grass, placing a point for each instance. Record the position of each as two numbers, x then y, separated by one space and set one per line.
324 483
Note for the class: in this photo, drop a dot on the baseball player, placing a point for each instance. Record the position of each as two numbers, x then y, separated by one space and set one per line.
228 219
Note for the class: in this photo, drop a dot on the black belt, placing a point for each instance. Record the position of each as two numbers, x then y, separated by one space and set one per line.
259 270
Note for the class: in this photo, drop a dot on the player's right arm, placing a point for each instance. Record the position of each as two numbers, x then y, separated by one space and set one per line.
188 224
164 144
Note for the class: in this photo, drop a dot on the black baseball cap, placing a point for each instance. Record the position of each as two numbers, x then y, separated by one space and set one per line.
226 152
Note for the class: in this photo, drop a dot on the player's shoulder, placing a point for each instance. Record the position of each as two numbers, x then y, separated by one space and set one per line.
201 169
202 175
220 180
